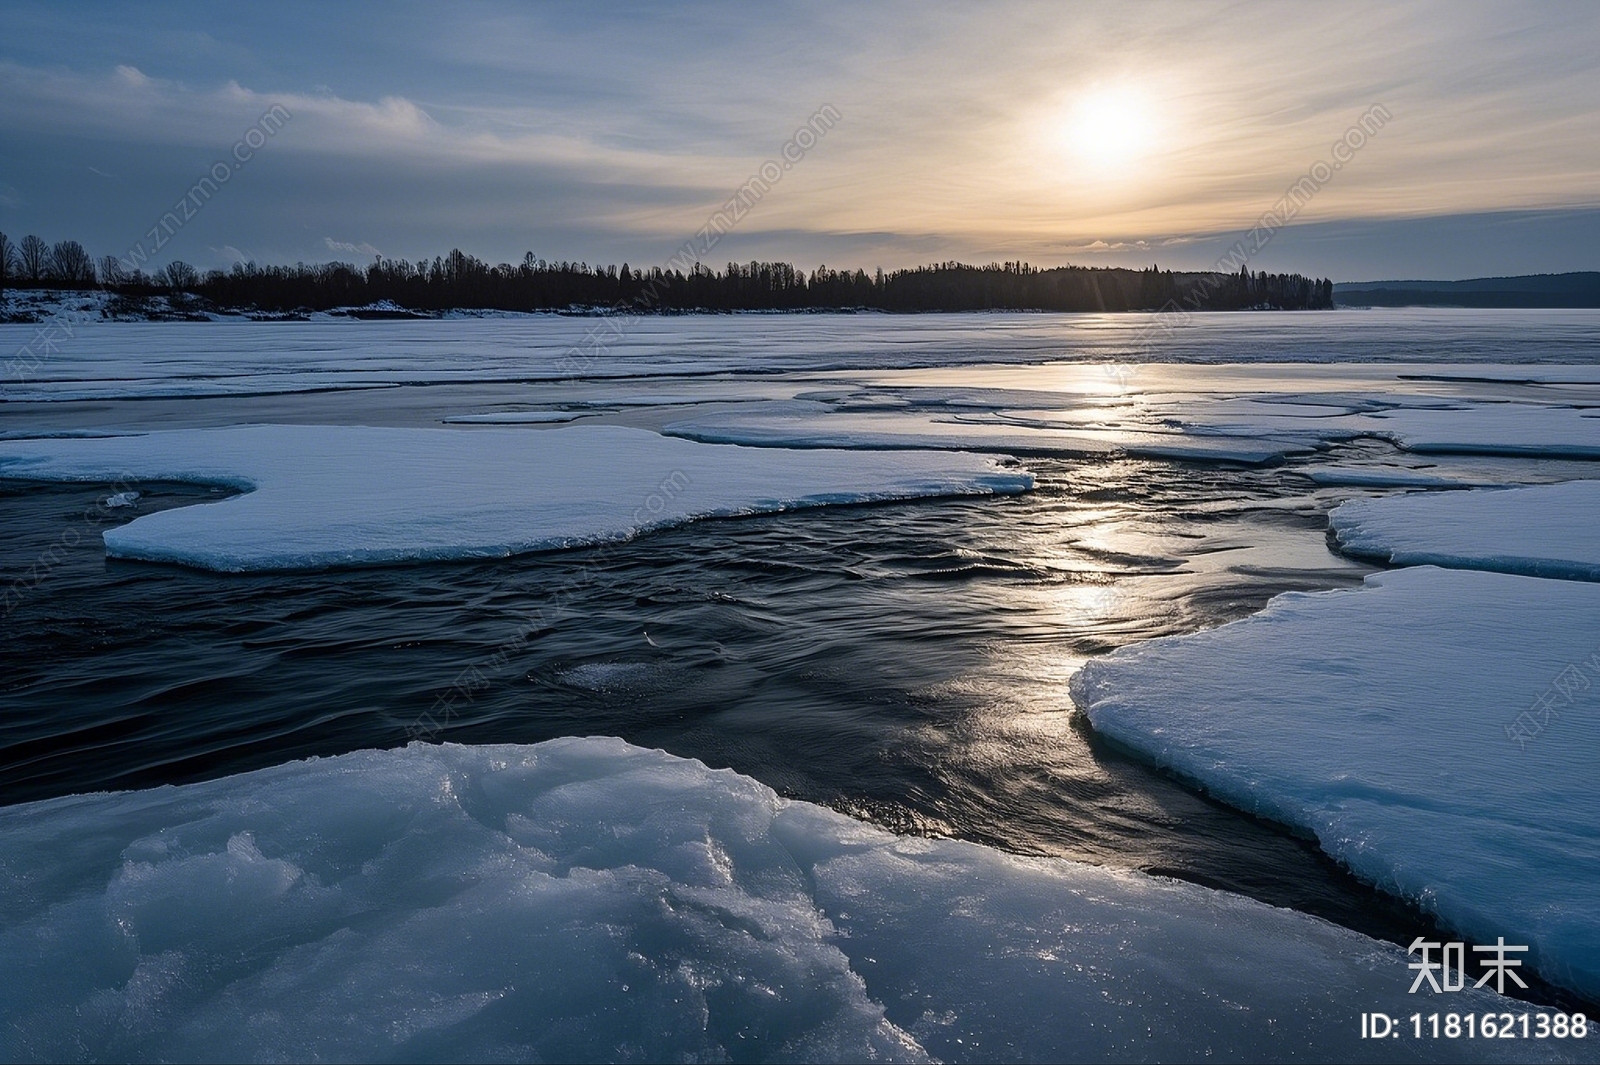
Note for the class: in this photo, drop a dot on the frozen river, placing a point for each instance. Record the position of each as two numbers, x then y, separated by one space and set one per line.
905 662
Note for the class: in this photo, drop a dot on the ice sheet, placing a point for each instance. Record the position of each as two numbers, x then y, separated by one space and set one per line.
1492 429
318 496
586 900
1381 477
95 360
816 425
1544 531
514 417
1248 428
1437 730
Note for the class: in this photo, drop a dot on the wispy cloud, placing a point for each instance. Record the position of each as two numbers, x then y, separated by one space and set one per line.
346 247
1097 246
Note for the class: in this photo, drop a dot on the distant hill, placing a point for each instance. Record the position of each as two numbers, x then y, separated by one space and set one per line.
1531 290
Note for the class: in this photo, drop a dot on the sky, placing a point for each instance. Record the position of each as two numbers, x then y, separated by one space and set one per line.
1109 134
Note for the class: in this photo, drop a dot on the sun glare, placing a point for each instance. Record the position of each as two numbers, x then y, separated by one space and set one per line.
1109 130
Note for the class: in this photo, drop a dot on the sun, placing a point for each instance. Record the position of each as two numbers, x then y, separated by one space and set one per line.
1109 130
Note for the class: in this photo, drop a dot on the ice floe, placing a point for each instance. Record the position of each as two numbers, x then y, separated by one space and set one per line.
318 496
1437 730
515 417
586 900
1491 429
1205 426
1381 476
1550 530
803 424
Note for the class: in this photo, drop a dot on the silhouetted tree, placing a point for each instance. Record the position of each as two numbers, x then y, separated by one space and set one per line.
34 255
534 284
462 280
70 264
8 261
180 276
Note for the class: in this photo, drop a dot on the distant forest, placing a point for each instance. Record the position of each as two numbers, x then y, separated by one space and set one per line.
459 280
1528 290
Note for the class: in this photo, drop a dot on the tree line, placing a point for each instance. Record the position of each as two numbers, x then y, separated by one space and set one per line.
459 280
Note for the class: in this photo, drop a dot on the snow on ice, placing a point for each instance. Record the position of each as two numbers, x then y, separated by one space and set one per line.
319 496
1492 429
1437 730
1543 531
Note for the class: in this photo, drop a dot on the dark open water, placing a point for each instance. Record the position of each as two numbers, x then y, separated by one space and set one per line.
905 663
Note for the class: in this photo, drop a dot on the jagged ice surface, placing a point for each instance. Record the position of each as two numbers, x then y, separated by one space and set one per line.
588 900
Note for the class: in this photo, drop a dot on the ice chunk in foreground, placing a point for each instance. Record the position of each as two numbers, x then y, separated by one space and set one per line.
587 900
1548 530
319 495
1438 730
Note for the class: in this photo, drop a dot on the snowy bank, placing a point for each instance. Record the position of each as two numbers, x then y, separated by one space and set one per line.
587 900
1437 730
318 496
1544 531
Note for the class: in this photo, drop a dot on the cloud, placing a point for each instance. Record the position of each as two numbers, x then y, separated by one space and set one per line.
627 186
1094 246
128 105
584 133
363 248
